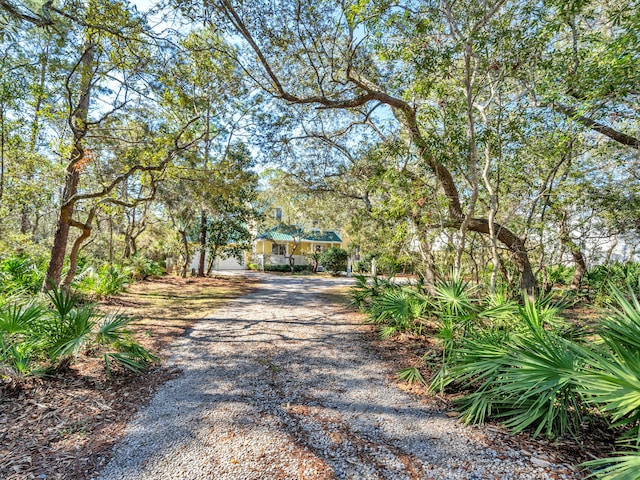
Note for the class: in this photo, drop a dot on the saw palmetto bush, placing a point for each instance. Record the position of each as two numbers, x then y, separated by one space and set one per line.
37 336
399 310
21 275
524 375
612 382
455 312
103 282
20 350
598 279
365 290
523 364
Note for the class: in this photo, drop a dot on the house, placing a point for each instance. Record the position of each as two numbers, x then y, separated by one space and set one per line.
275 246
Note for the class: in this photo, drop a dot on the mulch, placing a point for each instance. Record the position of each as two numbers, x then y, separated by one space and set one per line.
63 427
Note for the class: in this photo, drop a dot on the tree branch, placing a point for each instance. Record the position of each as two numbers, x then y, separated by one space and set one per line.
612 133
136 168
43 20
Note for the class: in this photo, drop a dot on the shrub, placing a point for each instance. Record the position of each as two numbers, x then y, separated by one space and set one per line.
21 274
38 336
392 265
399 310
253 266
362 266
364 293
106 281
621 275
611 383
527 379
334 259
141 268
523 364
286 268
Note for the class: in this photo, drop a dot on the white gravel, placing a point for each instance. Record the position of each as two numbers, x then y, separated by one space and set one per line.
280 384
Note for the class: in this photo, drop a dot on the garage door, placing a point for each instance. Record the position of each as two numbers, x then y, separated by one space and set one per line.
228 264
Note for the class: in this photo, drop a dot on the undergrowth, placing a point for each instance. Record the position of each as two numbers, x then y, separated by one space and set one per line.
522 363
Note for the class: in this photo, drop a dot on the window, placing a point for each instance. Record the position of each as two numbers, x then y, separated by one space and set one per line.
278 249
278 214
318 248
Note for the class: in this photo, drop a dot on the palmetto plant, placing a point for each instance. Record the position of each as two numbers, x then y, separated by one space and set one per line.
411 375
453 298
613 379
398 310
624 466
20 274
527 376
364 292
455 310
103 282
114 335
620 275
612 382
35 337
523 364
19 349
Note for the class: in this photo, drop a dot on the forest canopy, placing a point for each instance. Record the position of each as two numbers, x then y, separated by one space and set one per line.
497 140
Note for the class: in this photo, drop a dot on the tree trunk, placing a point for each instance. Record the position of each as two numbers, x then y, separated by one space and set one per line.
428 265
469 85
614 244
110 240
34 227
546 288
1 151
25 227
56 262
187 257
211 261
578 257
128 233
75 249
203 242
134 244
516 246
78 124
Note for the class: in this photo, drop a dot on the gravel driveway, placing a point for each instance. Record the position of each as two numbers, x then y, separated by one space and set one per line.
280 384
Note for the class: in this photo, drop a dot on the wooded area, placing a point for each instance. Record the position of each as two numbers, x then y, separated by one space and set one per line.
496 142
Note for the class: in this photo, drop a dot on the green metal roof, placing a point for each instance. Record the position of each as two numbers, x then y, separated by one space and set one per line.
287 234
323 237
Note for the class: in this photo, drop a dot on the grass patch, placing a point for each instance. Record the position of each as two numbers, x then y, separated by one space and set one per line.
336 295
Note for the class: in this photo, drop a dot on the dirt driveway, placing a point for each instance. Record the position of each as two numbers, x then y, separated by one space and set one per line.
281 384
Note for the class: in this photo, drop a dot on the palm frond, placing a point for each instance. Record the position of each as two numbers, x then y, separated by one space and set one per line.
20 318
113 329
624 466
411 375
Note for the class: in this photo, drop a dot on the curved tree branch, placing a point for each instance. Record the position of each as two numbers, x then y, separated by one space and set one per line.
612 133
